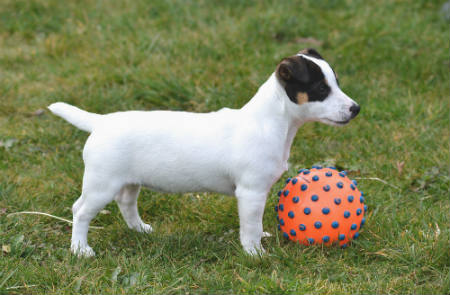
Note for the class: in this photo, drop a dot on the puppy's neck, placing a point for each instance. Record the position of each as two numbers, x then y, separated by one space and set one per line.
272 103
274 111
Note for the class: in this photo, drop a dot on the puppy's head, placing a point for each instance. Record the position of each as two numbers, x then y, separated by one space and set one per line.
313 89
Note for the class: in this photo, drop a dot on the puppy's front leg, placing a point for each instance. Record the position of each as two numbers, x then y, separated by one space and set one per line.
251 205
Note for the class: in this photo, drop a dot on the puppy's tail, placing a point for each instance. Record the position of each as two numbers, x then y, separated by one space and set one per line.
79 118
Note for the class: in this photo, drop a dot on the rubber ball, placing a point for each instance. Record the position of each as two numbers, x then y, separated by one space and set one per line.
321 206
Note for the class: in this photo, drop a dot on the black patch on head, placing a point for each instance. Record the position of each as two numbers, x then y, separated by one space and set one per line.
311 52
302 78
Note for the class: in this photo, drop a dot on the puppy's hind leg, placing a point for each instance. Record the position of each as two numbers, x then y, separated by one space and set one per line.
96 195
127 201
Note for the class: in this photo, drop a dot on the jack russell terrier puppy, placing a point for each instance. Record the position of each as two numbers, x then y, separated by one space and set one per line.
240 152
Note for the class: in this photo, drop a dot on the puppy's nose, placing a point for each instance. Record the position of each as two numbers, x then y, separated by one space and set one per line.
354 109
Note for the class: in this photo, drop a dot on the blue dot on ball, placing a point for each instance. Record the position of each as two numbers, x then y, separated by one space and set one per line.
344 246
342 174
325 210
365 208
326 188
276 208
354 182
335 224
337 201
331 167
294 181
293 233
286 193
350 198
279 227
358 211
311 241
346 214
341 237
354 226
295 199
352 186
302 227
291 214
356 235
317 224
281 207
285 235
326 239
300 170
304 187
361 199
314 166
281 221
306 172
340 184
280 192
288 180
307 211
362 222
314 198
315 178
328 174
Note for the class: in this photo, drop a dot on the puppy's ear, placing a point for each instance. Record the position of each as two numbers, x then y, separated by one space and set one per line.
312 52
293 69
284 71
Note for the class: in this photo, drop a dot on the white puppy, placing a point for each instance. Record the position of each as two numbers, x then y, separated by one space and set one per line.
235 152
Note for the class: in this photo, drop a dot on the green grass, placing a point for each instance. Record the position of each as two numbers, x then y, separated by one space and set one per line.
105 56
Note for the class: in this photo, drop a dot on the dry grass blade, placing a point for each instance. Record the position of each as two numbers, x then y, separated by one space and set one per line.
49 215
378 179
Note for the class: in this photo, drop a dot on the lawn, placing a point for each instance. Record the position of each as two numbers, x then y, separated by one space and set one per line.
105 56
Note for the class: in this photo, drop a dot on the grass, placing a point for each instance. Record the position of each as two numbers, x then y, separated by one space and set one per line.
104 56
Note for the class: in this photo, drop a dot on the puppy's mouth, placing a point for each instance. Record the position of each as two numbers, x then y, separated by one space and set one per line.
338 123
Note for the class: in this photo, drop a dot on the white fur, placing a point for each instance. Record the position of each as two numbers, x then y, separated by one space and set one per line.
239 152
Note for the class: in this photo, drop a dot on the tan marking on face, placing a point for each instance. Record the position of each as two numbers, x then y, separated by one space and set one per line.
302 97
304 51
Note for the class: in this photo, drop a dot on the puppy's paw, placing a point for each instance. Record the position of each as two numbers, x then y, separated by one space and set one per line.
255 250
140 227
145 228
266 234
82 251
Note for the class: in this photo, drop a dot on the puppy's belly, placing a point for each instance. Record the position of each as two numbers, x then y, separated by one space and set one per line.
187 180
180 172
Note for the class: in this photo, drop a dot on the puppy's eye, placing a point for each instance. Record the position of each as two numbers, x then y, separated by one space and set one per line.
323 88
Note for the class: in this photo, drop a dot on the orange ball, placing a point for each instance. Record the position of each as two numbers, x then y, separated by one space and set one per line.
321 206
